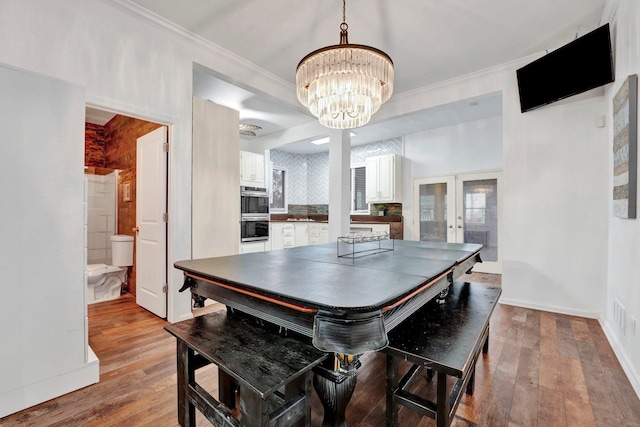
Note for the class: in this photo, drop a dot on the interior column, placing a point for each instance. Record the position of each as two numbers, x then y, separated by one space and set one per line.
339 182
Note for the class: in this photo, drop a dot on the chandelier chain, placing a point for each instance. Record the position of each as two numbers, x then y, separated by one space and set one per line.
344 11
344 27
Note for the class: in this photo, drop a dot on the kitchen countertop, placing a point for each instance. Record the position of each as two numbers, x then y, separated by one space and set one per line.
396 226
355 219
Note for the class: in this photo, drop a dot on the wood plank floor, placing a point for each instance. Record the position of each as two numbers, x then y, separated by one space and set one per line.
543 369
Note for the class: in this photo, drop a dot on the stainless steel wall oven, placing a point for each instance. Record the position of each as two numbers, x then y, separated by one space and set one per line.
254 201
254 208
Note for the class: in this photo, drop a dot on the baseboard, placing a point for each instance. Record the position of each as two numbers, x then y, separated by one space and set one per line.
621 354
32 394
551 308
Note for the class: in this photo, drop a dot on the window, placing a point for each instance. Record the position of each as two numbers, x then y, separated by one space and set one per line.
278 196
358 190
475 208
427 207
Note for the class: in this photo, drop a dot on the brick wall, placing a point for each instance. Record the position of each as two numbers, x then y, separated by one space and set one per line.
94 145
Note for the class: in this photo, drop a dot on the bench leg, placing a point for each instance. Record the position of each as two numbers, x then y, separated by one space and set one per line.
472 381
254 411
301 385
429 374
392 386
226 389
485 347
442 401
186 376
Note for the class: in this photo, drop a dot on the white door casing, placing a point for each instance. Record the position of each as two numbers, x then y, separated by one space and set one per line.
151 236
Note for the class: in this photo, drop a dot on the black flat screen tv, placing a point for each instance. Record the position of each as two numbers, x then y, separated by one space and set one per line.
578 66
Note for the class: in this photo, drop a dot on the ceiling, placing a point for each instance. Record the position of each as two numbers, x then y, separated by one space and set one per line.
429 41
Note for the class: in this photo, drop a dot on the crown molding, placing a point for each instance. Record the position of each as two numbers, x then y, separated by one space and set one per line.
220 54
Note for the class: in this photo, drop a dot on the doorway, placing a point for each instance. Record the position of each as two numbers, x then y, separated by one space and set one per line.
111 143
463 208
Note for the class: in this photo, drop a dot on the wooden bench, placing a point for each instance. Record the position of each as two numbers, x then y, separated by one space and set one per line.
443 338
273 372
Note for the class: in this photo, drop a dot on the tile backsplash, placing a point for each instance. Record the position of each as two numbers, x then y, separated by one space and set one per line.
307 181
321 209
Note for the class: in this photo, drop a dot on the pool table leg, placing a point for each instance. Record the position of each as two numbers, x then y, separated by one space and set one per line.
335 388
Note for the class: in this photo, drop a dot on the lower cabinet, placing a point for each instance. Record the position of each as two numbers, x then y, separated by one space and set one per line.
284 235
300 235
280 235
288 233
275 235
318 233
247 248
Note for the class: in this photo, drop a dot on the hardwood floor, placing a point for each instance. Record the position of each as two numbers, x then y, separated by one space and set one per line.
543 369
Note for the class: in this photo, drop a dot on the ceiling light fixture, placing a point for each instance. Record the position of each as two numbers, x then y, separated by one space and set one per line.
344 84
248 130
325 139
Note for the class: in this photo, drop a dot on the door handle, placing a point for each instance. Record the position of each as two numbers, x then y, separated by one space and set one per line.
136 230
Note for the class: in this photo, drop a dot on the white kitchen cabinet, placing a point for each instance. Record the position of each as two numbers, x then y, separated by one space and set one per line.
247 248
288 235
318 233
301 237
275 235
251 169
384 179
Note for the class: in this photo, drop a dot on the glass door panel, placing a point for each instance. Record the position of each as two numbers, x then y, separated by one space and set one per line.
435 220
433 212
480 216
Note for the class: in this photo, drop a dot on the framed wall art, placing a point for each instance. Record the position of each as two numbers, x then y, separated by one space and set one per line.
625 148
126 191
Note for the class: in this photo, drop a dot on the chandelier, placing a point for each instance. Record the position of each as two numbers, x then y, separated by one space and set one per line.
344 84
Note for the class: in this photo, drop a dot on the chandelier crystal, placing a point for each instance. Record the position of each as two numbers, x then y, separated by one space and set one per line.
344 84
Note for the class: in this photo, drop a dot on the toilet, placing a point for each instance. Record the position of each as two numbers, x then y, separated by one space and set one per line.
104 282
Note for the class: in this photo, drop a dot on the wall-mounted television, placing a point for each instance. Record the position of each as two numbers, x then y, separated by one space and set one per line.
578 66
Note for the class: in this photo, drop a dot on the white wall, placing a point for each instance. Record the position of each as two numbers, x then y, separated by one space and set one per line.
555 207
42 256
622 282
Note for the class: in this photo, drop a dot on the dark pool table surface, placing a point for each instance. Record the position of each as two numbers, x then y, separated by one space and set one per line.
314 276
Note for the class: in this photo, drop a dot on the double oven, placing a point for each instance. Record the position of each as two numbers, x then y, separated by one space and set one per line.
254 219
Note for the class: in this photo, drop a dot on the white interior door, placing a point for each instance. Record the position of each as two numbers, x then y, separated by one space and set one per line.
461 209
151 205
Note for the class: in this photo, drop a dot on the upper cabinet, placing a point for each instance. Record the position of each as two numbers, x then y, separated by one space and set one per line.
251 169
384 179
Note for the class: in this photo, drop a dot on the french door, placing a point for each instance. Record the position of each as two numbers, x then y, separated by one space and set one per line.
462 208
